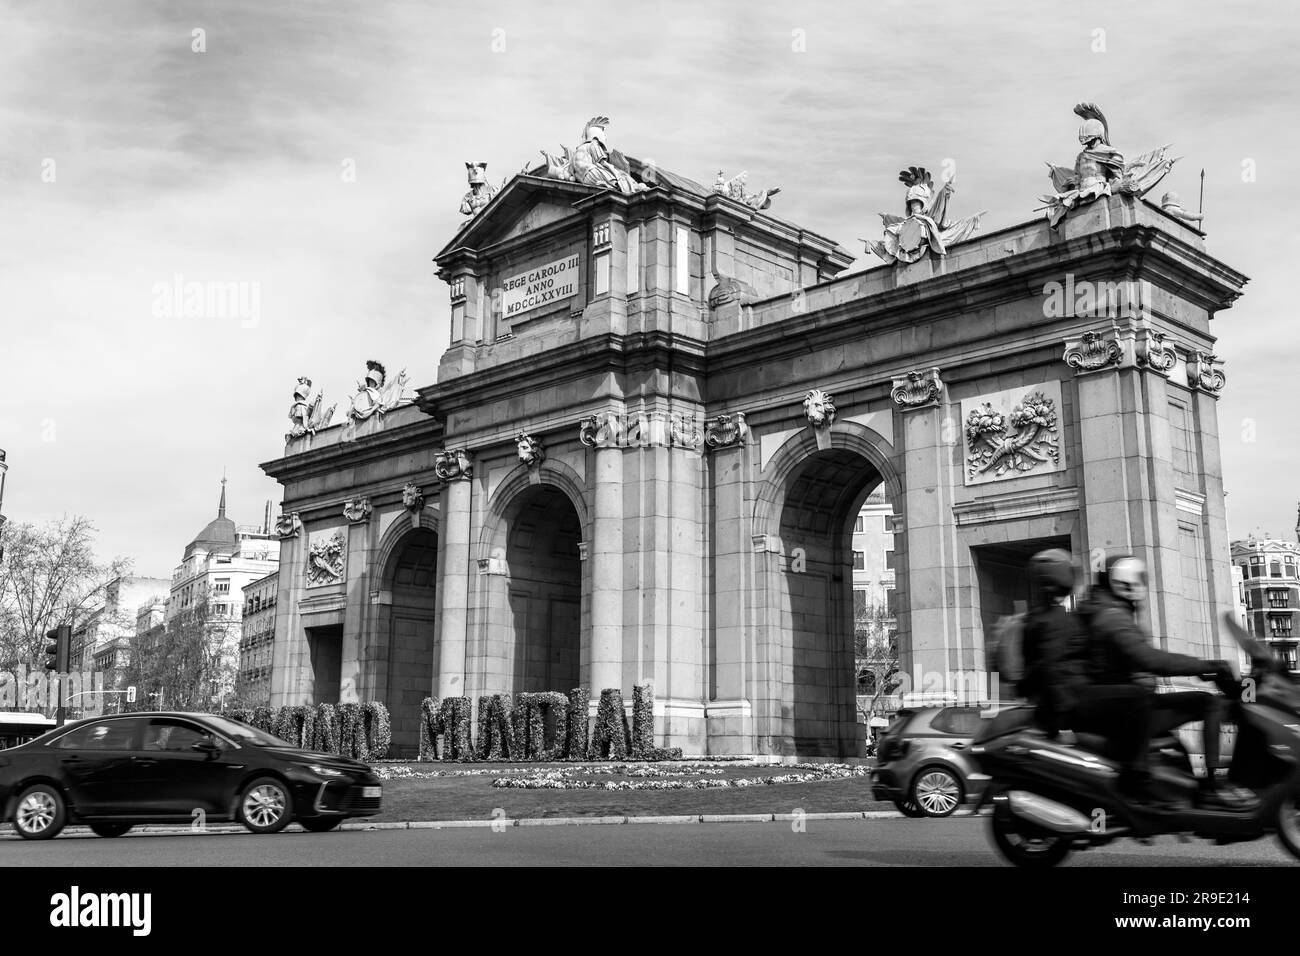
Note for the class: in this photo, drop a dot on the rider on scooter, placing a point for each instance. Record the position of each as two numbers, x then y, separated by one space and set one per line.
1120 653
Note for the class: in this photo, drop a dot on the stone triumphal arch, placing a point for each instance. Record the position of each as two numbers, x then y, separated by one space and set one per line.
662 406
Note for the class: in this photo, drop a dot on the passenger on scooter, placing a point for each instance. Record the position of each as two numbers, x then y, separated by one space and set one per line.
1056 652
1121 655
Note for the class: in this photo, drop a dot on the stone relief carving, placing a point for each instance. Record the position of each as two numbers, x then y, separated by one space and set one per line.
288 525
640 430
1092 352
326 560
357 508
412 497
376 395
925 226
593 163
451 465
683 431
1205 372
1020 441
819 408
734 188
1153 353
307 416
531 452
918 389
727 290
1100 169
725 430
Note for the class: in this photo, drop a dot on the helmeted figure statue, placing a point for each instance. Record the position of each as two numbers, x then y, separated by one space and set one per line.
593 163
480 193
376 395
1099 170
926 227
306 416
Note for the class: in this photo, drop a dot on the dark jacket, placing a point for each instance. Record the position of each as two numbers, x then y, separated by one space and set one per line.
1055 651
1120 651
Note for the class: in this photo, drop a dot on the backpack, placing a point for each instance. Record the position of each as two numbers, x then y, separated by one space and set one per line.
1005 649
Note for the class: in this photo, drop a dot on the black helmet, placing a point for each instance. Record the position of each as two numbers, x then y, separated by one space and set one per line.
1052 572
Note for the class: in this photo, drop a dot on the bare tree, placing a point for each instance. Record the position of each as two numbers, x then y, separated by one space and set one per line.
49 576
875 654
189 663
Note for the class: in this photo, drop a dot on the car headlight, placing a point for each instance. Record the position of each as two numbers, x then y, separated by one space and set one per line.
324 771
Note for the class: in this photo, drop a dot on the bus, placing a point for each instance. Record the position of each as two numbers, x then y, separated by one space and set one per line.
18 728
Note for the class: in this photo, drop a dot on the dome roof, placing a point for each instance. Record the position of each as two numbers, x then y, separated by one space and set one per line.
219 534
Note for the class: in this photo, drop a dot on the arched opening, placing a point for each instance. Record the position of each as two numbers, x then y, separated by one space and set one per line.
411 581
822 502
537 606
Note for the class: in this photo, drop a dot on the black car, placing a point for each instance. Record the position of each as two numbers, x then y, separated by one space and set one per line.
115 772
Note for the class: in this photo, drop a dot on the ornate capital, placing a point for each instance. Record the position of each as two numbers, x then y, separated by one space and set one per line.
725 430
1205 372
1151 352
531 452
918 389
357 508
452 465
412 497
1093 352
819 408
601 431
288 525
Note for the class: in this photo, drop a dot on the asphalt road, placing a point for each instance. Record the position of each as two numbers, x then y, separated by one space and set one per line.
957 841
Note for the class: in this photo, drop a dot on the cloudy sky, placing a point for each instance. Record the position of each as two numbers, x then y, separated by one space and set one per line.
317 151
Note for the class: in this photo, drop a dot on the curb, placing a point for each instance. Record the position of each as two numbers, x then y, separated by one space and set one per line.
501 823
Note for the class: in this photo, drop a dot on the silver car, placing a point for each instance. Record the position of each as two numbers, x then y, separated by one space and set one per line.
923 763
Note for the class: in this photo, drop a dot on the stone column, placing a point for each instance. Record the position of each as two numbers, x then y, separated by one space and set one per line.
289 653
454 579
931 624
362 672
606 557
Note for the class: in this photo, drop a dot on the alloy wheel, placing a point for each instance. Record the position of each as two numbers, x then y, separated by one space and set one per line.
937 793
36 812
264 805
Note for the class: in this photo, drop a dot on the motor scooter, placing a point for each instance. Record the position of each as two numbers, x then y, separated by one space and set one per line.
1052 796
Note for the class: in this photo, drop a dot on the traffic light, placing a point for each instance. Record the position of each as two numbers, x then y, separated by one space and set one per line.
58 651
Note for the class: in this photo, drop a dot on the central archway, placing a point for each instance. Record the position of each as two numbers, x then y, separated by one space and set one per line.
410 579
535 606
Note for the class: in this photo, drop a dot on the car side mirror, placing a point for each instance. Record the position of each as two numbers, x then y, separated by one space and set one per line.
207 747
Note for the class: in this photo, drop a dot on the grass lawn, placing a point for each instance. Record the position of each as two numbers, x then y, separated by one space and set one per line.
472 798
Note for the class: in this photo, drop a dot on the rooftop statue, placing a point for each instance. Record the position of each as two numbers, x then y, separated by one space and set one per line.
926 226
376 395
593 163
1171 204
1100 169
480 193
306 417
734 188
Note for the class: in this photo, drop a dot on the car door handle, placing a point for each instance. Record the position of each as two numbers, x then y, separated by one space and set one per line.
70 758
144 761
959 746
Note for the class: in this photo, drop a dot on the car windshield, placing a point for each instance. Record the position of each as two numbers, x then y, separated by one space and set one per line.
246 734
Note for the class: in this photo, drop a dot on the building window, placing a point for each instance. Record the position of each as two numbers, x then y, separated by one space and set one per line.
859 561
857 525
1278 598
1280 626
1275 569
222 585
1287 655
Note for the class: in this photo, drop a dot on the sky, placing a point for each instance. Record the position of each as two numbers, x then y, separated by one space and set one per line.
314 153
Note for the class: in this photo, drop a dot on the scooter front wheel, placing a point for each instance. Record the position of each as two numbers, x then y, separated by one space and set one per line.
1288 823
1026 845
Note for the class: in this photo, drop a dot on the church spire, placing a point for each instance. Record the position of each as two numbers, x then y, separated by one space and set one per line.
221 508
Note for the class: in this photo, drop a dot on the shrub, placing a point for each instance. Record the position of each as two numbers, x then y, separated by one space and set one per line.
296 725
643 720
430 728
496 740
576 742
263 719
454 716
352 732
609 737
325 729
242 714
531 713
378 729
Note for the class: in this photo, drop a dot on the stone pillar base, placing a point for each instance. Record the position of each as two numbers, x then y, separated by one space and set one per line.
730 727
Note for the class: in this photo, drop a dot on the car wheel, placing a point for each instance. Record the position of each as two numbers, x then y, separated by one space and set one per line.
1025 845
908 809
41 812
109 829
321 824
265 806
937 792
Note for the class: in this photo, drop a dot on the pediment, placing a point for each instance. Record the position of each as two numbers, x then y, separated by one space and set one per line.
524 204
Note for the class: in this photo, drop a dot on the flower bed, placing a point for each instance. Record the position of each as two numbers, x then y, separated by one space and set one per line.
567 778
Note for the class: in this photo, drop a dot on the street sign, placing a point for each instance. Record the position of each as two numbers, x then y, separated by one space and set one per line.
130 695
